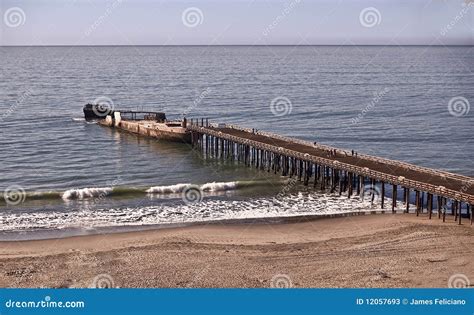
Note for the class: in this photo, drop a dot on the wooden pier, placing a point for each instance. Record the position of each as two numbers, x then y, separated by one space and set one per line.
339 171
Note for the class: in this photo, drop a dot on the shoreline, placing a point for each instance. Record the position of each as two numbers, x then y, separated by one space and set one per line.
69 232
399 250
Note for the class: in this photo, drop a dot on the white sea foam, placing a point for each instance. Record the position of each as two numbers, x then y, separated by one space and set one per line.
219 186
83 120
178 188
209 209
170 189
83 193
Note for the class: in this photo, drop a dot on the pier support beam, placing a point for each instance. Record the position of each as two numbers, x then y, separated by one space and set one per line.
470 209
349 192
394 197
423 201
417 202
359 184
300 170
460 212
382 193
407 200
438 199
372 189
454 209
306 173
334 180
443 206
430 204
316 174
340 179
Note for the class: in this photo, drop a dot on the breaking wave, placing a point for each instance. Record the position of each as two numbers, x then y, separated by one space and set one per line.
178 188
171 189
95 219
103 192
219 186
86 193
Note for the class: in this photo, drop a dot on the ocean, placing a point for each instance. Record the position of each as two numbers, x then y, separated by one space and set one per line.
408 103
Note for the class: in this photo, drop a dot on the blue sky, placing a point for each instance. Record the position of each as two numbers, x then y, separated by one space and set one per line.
257 22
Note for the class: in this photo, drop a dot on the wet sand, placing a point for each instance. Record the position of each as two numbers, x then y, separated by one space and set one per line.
382 250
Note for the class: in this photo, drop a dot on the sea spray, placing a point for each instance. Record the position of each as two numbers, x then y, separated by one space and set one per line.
86 193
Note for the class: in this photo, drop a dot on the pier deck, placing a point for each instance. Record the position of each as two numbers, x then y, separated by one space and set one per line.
295 156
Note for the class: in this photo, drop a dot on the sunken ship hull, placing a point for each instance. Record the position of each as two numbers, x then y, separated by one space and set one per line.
161 131
150 124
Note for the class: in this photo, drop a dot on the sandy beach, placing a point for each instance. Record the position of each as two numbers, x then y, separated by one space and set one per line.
382 250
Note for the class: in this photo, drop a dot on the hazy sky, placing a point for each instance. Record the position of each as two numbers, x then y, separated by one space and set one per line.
257 22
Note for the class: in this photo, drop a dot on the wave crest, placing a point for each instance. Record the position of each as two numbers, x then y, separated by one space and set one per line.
83 193
178 188
170 189
219 186
102 192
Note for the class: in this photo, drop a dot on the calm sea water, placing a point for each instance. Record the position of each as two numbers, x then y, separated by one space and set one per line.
386 101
